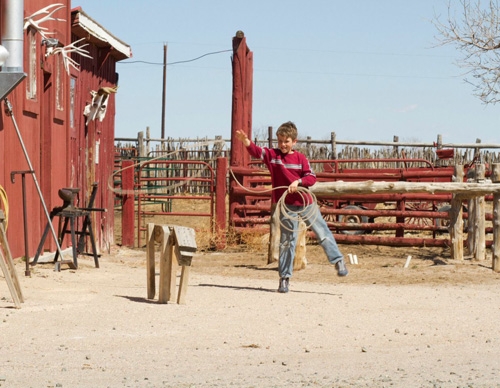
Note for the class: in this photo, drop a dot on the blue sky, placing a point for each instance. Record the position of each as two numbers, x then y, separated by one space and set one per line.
365 69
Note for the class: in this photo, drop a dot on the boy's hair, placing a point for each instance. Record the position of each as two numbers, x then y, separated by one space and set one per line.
287 129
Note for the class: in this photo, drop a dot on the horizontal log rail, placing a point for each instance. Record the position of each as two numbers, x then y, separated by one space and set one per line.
465 190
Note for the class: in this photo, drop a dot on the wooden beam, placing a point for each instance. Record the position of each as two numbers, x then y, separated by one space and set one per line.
466 190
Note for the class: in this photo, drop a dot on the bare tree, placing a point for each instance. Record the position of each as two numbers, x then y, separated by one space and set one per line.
476 33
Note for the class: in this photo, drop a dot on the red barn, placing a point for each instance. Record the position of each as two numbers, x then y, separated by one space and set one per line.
64 109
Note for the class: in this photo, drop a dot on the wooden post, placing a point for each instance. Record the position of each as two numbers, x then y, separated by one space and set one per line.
150 261
241 114
395 149
274 236
128 201
471 213
439 145
167 272
333 140
495 248
140 144
7 266
220 203
480 227
300 260
456 219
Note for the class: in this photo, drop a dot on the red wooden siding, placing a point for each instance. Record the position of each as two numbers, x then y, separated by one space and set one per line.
64 152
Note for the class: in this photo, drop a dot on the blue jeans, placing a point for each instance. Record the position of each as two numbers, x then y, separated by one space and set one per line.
288 236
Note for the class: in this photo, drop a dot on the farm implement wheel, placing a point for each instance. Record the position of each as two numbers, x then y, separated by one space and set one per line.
419 206
353 219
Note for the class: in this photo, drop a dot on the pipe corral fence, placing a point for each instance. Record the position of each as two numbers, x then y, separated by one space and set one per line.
390 217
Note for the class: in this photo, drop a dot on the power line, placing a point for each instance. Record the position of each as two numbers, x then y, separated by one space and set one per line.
177 62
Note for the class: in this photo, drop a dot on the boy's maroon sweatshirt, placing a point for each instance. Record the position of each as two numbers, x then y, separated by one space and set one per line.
285 169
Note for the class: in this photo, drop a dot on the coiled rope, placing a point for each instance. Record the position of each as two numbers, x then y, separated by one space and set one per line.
308 198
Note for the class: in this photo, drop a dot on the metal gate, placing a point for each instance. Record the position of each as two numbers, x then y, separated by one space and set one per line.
162 184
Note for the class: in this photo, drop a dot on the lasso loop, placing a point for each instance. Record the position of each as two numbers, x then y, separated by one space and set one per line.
308 198
163 156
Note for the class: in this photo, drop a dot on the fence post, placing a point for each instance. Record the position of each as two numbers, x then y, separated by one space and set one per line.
128 200
480 232
333 143
140 143
456 220
220 203
495 248
439 145
395 149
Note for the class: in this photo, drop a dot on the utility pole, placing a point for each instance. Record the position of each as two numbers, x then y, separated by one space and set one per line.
164 91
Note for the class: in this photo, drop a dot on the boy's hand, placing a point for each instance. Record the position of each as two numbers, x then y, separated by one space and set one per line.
242 136
293 186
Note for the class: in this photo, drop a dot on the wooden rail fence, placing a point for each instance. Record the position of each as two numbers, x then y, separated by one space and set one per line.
474 191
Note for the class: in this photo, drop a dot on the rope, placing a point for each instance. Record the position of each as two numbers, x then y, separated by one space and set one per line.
163 156
311 215
4 202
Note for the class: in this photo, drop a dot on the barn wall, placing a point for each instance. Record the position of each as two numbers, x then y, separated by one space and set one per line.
44 131
98 137
63 151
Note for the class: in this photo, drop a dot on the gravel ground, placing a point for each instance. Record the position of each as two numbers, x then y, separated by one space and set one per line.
434 324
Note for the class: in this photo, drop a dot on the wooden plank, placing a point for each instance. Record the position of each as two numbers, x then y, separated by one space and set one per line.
165 264
172 275
150 261
181 297
8 268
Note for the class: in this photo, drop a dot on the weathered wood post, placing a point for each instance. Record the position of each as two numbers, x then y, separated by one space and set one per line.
241 114
333 141
220 203
456 220
439 145
270 137
479 227
471 215
140 144
495 248
128 201
300 261
395 149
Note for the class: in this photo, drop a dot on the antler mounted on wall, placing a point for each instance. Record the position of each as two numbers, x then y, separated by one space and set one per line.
72 48
36 24
53 45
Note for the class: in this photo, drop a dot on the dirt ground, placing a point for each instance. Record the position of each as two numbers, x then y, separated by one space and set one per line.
432 324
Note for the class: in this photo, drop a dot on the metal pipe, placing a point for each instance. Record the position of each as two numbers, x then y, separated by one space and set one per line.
13 34
11 114
27 272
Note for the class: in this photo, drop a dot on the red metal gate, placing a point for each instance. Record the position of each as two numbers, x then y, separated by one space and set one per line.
160 183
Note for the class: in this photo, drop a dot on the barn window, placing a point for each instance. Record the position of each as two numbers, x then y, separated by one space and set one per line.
59 84
31 91
72 91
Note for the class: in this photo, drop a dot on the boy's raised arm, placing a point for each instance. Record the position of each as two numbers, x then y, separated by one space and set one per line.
241 136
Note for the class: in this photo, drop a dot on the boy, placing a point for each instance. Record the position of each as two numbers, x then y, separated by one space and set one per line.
290 169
